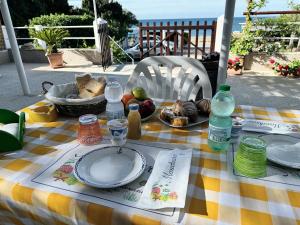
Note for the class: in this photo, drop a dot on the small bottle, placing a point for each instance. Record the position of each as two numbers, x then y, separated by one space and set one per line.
113 94
134 122
220 122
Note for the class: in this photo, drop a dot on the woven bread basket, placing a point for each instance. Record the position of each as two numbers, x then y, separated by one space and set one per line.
73 107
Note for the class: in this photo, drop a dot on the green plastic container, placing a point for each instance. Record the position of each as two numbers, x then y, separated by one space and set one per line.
9 142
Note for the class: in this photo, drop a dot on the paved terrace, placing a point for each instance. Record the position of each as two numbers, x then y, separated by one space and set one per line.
259 89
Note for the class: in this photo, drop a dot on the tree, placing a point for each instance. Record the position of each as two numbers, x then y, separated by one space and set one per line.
119 20
22 11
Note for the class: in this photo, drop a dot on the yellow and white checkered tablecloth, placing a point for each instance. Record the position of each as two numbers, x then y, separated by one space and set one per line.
215 197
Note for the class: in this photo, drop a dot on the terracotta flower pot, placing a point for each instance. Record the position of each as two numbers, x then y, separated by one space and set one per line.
56 60
234 72
248 61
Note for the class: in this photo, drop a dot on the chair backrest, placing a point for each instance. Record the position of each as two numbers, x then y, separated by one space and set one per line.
171 77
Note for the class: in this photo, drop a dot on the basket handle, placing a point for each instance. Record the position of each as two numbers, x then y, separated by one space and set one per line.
44 88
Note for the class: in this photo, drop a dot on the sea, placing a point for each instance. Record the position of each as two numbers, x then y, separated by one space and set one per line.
236 22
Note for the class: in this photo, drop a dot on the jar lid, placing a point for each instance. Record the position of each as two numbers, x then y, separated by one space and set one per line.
133 106
224 87
87 119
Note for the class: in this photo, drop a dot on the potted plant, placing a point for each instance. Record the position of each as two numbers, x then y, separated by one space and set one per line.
295 68
53 38
242 46
234 66
292 69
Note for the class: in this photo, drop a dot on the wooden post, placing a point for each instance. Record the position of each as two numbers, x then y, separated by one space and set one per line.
161 37
182 39
291 43
148 44
213 36
189 40
175 38
197 34
168 40
204 37
141 42
154 36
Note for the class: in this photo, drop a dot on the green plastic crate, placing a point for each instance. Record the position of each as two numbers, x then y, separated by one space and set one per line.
9 142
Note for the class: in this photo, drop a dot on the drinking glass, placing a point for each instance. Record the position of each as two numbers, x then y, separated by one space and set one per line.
89 130
250 159
118 129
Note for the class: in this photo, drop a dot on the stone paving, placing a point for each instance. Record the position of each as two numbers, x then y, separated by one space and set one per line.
259 89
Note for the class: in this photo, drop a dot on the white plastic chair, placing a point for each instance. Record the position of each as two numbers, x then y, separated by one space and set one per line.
171 77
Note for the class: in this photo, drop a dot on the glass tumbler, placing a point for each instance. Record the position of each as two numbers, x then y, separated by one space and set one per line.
89 132
250 159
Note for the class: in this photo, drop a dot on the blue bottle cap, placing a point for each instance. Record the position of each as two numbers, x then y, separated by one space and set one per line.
134 106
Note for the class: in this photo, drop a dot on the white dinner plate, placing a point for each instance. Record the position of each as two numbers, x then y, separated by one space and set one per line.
283 150
108 168
200 119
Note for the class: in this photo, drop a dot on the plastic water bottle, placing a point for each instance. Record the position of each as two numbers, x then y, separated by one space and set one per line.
113 93
220 122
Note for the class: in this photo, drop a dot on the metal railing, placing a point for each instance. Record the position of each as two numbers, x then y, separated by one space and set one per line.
132 60
71 38
291 39
59 27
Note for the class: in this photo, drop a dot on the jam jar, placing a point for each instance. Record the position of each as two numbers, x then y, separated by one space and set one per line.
89 132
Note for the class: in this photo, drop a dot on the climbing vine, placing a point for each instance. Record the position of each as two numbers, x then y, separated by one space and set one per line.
244 44
252 6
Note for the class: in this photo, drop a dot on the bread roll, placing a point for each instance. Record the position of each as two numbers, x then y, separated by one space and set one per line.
90 87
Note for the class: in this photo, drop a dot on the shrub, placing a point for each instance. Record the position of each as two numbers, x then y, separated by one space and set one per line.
67 20
118 54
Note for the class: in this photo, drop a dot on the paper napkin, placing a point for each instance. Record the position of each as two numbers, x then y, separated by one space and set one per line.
168 182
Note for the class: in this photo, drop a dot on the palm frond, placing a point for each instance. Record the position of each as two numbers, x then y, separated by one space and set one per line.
52 36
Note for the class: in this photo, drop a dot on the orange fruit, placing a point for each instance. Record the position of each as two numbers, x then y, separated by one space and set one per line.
126 98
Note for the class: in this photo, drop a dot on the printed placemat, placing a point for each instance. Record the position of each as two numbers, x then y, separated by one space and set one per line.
59 176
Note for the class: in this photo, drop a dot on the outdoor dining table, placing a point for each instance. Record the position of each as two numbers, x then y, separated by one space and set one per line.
214 197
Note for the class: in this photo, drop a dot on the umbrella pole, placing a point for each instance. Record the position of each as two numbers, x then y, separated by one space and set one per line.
226 37
14 46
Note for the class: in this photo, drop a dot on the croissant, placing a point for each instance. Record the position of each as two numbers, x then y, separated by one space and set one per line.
187 109
203 106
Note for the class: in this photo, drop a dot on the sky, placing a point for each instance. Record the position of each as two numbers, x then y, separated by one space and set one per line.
171 9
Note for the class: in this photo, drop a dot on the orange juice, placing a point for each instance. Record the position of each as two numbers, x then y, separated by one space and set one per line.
134 122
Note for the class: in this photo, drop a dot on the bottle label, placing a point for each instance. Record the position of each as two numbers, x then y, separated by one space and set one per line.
111 115
219 134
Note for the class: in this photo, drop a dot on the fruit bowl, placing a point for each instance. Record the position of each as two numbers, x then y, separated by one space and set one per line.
148 117
139 96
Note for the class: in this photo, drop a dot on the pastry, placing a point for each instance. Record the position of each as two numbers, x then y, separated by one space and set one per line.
187 109
167 114
203 106
180 121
